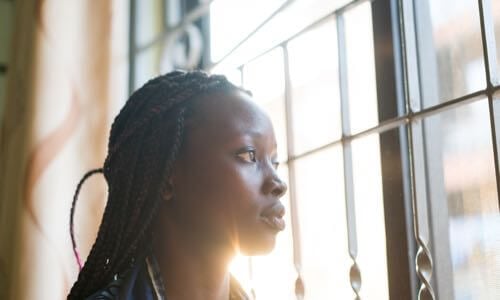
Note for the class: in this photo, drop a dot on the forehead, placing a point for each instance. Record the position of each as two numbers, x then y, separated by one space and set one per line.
222 116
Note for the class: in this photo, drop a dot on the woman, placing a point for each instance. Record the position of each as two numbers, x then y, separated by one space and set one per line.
191 173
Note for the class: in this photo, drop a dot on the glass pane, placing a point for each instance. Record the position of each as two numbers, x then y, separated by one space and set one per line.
450 49
265 78
370 223
6 27
313 65
297 15
496 22
243 17
147 65
149 22
461 173
361 68
321 209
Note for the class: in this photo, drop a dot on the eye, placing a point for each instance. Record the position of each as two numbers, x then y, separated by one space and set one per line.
276 164
247 155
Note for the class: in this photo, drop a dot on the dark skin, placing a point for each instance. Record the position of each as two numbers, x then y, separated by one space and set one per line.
223 198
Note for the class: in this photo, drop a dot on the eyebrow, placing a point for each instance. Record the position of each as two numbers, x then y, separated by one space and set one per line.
257 134
253 133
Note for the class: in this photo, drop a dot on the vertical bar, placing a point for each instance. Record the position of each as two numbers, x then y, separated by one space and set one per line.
423 260
131 47
393 150
242 76
427 75
416 151
488 39
297 254
490 63
249 261
354 273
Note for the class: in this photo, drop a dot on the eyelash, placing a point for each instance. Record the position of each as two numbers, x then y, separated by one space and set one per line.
252 157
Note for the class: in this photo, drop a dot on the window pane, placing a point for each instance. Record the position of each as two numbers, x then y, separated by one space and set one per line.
319 189
361 68
450 48
147 65
461 172
315 94
233 20
297 16
149 21
265 78
370 224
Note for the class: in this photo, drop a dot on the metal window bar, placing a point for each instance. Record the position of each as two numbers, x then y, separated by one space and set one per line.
249 261
201 10
423 260
198 12
396 185
131 46
281 8
296 240
313 25
354 272
397 122
490 64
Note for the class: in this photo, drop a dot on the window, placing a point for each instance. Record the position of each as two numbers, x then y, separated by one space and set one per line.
387 119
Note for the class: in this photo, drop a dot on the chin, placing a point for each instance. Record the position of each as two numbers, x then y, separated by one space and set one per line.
261 247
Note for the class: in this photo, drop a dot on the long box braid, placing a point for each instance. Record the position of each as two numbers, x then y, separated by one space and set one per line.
145 140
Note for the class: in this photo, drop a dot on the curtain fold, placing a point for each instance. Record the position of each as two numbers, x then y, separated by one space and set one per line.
62 87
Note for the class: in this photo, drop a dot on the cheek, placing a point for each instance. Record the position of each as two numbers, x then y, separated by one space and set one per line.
223 192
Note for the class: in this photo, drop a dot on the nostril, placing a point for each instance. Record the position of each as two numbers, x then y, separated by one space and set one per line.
280 188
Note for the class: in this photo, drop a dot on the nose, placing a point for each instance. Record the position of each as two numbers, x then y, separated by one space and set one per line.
276 186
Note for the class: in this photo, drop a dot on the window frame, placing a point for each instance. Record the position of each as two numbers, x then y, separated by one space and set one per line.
410 217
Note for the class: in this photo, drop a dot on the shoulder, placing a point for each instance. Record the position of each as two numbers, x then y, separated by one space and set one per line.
133 284
111 291
236 292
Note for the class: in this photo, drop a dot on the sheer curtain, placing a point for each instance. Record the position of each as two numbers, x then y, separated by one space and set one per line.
67 79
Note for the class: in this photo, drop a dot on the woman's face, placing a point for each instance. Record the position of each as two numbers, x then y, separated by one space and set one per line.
225 187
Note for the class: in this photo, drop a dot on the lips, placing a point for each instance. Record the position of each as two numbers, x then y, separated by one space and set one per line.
273 216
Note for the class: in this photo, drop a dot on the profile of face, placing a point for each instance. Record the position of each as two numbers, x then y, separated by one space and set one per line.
225 189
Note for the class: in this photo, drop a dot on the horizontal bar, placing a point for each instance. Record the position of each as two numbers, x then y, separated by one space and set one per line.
402 120
316 23
253 32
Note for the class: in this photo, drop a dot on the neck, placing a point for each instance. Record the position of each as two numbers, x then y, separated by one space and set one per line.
190 270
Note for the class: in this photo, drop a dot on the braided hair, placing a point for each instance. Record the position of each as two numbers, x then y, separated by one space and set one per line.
145 140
